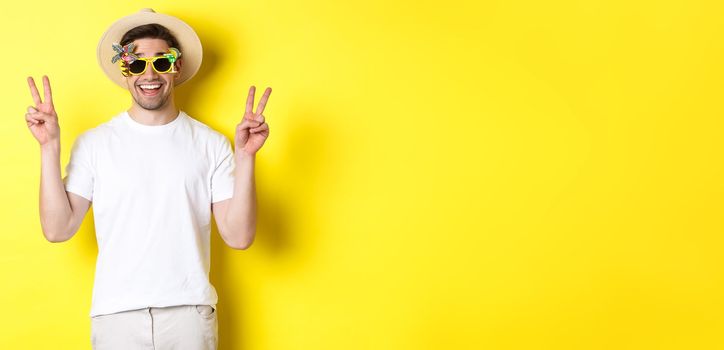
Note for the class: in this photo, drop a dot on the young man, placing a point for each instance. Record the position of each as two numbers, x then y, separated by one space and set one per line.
154 176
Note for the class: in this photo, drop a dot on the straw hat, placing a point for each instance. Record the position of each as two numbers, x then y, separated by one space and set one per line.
191 51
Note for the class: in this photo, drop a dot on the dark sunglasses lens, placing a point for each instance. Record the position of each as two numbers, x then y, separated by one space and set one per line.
162 64
137 66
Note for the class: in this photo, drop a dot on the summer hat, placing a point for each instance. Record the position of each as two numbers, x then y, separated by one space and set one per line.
191 51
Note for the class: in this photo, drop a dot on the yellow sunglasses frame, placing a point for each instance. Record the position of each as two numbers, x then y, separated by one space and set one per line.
126 71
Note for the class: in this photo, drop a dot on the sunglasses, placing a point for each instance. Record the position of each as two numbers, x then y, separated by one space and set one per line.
161 64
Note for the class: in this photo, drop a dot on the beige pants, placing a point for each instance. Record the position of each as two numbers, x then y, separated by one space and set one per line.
192 327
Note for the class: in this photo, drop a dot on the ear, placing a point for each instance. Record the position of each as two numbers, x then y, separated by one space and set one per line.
179 64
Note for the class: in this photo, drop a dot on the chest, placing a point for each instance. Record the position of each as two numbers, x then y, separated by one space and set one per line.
153 165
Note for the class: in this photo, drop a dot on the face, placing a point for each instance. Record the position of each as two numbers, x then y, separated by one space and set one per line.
151 90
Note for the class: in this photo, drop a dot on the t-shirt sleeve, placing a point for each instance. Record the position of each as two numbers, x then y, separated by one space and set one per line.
222 180
79 171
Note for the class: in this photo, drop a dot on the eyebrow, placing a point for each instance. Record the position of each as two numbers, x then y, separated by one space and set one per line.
140 54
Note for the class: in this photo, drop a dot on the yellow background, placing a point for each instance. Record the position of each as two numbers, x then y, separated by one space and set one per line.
439 175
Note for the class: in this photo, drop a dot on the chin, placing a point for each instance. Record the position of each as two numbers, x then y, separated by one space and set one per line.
151 105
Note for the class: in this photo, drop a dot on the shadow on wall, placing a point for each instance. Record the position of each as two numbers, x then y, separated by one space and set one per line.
283 235
213 46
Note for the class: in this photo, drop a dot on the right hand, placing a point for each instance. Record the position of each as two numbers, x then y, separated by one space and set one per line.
42 119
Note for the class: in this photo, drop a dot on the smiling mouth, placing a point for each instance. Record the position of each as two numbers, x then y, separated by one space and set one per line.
150 89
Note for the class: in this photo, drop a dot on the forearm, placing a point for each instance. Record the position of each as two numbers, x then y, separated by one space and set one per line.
55 209
240 225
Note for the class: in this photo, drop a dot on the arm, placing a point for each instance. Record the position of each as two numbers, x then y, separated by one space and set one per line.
236 217
61 213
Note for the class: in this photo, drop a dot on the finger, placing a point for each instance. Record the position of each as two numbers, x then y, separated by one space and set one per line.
250 99
262 102
251 120
30 119
41 116
34 91
256 118
32 109
46 89
260 128
246 124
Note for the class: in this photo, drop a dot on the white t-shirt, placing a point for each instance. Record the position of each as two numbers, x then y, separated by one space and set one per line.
151 189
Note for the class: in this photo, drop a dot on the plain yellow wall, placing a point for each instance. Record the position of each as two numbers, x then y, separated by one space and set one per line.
439 175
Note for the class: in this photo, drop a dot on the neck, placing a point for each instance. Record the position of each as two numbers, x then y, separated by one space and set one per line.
160 116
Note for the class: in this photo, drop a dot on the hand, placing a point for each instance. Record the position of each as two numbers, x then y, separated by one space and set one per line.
42 119
252 131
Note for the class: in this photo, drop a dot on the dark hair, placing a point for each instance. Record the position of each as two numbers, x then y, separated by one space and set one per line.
151 31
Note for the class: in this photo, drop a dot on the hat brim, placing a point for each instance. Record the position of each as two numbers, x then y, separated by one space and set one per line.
191 50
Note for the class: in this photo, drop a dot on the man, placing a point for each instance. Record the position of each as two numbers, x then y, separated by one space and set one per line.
154 176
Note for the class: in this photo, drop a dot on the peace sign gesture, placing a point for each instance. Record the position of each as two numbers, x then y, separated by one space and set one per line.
252 131
42 119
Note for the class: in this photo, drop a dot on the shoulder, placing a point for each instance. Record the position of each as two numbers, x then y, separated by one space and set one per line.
212 135
95 135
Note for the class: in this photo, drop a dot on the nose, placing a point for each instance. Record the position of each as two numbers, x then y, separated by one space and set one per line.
150 73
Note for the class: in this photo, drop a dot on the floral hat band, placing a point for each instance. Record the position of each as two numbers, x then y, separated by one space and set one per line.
126 54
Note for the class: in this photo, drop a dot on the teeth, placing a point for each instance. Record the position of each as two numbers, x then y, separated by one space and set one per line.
150 87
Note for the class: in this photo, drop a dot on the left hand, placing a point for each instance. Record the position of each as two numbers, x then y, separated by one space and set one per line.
253 130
